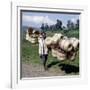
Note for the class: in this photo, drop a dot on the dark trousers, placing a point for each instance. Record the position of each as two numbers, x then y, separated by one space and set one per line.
44 60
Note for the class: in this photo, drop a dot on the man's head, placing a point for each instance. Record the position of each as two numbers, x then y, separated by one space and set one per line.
43 34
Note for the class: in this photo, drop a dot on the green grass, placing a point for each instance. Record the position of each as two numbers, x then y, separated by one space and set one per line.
29 52
68 33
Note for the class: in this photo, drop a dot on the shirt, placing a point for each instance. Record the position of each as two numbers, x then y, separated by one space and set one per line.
42 47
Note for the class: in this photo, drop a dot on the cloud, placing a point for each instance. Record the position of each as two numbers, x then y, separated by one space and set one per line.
37 19
73 20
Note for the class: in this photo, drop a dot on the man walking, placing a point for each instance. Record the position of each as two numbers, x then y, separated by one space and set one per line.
43 50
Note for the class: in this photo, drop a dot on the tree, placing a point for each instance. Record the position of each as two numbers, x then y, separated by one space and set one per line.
52 27
72 25
46 27
69 24
58 24
64 28
77 24
42 26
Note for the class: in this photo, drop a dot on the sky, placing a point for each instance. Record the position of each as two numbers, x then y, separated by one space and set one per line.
35 19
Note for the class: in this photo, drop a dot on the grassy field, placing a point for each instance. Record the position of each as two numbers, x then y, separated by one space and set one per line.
68 33
29 53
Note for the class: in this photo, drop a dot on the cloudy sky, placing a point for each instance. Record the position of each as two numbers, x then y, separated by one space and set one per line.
35 19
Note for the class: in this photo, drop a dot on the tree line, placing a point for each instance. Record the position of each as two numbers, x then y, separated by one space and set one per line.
59 25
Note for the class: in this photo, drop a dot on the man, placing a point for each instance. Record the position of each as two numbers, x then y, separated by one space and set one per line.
43 50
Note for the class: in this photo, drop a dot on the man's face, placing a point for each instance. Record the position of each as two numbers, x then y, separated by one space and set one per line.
44 36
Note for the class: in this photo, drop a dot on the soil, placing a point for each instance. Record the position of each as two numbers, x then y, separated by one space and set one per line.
29 70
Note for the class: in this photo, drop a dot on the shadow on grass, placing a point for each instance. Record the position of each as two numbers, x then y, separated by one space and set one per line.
52 64
69 68
64 67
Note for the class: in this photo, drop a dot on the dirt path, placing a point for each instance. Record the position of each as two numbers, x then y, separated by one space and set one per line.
29 70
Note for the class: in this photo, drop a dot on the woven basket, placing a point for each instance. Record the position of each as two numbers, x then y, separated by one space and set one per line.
56 38
27 36
71 55
65 37
65 45
54 52
33 40
61 55
75 43
48 41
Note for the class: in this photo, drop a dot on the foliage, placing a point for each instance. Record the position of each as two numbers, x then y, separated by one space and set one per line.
59 25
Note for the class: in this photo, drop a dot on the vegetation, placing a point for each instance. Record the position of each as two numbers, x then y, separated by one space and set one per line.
59 26
68 33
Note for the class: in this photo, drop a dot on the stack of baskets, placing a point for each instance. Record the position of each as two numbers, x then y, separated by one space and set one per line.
62 47
32 36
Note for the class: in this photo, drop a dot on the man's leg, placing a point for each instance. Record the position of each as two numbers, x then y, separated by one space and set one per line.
45 61
41 58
